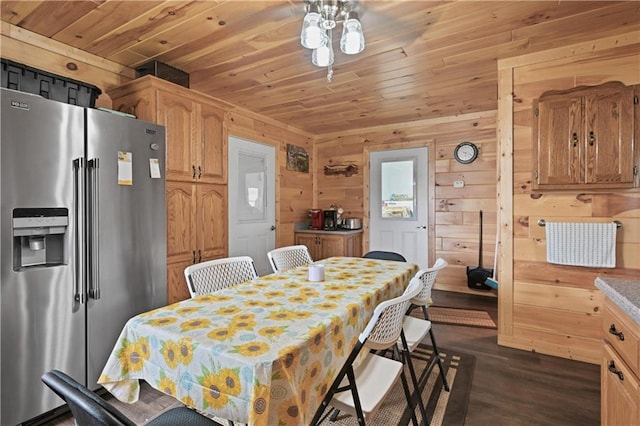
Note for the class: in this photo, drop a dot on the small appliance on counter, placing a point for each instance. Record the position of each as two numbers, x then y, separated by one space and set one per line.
351 223
330 220
316 219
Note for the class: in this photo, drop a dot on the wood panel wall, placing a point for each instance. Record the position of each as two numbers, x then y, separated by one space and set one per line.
544 307
293 189
454 216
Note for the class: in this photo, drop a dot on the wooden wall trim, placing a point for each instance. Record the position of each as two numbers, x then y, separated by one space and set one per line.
572 50
417 123
33 39
504 172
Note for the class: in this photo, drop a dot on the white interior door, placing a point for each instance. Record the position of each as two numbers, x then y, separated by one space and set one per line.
252 200
398 200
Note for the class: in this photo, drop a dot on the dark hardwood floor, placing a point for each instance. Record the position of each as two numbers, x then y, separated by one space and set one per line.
510 387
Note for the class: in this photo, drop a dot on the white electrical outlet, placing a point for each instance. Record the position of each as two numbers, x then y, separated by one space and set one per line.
458 184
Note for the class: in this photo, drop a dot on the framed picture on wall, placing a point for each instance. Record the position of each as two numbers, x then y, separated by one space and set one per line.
297 159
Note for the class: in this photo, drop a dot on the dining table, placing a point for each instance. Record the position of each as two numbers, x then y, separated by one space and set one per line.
263 352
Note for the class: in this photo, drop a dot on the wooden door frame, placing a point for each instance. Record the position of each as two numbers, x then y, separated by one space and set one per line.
504 166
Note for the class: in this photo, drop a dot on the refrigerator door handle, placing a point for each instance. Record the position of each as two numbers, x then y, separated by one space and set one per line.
94 245
78 291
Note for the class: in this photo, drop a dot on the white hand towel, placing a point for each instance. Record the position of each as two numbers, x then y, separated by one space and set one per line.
582 244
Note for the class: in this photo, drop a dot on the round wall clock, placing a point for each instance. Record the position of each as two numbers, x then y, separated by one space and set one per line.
466 152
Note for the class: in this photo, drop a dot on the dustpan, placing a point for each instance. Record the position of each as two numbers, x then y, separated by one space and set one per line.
477 276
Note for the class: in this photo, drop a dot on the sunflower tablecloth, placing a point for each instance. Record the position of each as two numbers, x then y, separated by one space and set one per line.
262 352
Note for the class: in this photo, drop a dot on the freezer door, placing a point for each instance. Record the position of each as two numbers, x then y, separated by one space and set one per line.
43 318
127 228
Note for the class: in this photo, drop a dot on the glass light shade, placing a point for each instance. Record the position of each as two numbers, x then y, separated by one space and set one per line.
322 56
312 35
352 40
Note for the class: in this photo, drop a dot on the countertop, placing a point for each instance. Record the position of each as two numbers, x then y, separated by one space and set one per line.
336 232
624 293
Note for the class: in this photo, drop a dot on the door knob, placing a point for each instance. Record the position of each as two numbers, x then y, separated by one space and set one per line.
273 228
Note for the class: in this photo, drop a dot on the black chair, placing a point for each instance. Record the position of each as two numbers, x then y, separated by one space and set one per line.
89 409
385 255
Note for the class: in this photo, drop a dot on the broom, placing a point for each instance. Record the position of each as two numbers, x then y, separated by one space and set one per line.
491 281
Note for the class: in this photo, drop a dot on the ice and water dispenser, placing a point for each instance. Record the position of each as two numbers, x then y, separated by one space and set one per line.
39 237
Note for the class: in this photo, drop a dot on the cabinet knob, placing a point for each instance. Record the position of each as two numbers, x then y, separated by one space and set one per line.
615 332
194 257
199 172
193 168
592 138
612 369
574 139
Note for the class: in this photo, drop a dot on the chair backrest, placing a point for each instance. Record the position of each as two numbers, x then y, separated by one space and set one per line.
385 255
214 275
284 258
428 278
384 328
86 407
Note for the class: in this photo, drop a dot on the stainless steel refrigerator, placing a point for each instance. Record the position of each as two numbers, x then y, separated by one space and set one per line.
82 238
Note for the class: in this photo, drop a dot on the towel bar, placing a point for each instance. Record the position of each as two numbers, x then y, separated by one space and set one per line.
541 222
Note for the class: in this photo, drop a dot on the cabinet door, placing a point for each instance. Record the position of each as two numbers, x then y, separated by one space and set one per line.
353 245
558 148
332 245
609 136
180 117
312 243
212 146
176 284
141 103
211 221
181 224
620 393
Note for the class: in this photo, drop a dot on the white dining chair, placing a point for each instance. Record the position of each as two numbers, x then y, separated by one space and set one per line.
415 329
284 258
214 275
374 377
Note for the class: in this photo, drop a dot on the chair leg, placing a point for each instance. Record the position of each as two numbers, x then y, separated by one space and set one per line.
405 386
356 398
407 357
436 352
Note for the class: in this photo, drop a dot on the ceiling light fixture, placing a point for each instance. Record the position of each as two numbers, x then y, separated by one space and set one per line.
320 19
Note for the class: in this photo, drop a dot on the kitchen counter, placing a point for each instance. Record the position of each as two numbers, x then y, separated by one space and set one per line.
337 231
625 293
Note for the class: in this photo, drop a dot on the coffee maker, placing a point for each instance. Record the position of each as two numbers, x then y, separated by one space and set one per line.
330 220
316 219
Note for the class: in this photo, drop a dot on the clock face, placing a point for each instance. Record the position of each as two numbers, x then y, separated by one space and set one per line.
466 152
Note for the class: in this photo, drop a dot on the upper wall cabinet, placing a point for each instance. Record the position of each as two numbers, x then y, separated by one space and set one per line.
196 135
584 138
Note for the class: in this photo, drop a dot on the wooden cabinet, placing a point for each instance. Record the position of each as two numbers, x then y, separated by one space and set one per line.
584 138
196 133
323 245
620 386
196 229
196 171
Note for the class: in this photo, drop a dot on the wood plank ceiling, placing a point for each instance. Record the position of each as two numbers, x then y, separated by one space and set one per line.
422 59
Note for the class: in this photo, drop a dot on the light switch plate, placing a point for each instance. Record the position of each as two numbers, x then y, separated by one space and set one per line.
458 184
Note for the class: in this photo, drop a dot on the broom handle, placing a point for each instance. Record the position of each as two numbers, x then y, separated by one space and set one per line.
495 254
480 250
